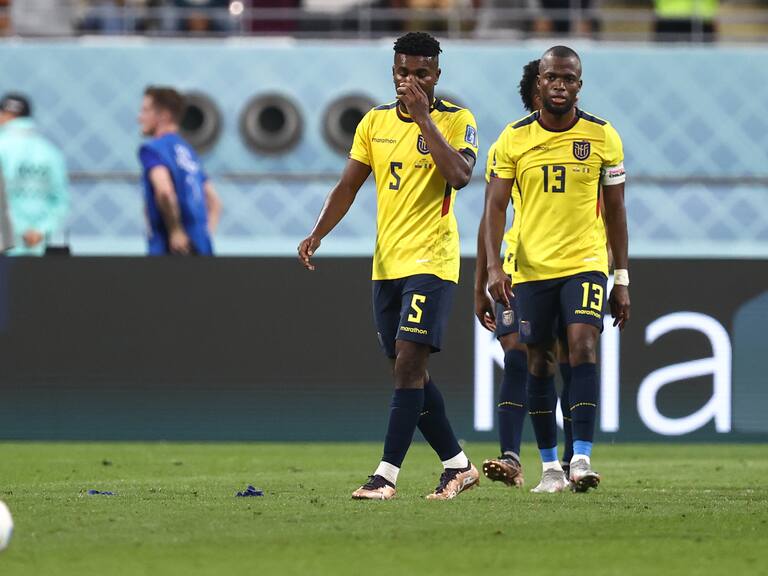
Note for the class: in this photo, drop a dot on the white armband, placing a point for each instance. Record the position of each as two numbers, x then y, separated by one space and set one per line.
621 277
610 175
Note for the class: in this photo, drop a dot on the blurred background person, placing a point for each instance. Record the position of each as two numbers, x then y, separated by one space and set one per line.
203 16
182 207
685 20
6 228
35 177
43 17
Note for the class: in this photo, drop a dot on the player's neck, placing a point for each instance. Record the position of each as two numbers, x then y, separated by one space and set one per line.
557 122
166 129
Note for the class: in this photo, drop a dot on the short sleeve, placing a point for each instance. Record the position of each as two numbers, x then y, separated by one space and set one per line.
612 171
463 135
149 157
504 163
489 163
361 145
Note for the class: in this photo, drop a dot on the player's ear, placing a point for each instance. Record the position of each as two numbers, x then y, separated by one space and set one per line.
439 71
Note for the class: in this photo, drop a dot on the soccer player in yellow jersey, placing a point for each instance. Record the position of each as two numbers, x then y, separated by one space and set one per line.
511 408
420 150
558 157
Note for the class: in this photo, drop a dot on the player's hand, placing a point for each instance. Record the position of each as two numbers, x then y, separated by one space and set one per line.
500 286
307 249
484 310
32 238
179 242
619 301
414 99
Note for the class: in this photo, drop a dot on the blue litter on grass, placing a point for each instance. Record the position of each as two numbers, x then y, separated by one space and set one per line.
100 493
250 491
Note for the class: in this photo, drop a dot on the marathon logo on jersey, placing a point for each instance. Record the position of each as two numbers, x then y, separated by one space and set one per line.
581 150
470 136
421 145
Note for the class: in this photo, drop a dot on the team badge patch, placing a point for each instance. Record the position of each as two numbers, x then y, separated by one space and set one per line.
470 135
421 145
507 317
581 150
525 328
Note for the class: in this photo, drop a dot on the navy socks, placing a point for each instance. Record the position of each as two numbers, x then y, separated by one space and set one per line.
434 425
512 396
407 405
542 403
583 401
565 408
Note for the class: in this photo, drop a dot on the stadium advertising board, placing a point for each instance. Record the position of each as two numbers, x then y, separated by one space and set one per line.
219 349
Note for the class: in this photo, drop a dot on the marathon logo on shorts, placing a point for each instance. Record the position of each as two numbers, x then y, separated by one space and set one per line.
581 150
525 328
421 145
507 317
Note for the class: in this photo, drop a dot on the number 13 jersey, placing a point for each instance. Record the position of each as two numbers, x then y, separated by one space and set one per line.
559 176
416 227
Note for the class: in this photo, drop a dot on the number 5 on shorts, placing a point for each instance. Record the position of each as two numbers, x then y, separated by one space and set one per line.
597 293
415 316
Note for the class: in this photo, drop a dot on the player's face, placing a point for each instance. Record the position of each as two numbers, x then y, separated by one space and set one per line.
149 117
559 84
422 70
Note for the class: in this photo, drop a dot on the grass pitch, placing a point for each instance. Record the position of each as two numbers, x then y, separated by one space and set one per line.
662 509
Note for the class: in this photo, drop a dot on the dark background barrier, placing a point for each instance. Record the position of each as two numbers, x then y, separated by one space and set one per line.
217 349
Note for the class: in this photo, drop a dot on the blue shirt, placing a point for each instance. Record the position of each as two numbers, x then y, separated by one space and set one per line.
171 151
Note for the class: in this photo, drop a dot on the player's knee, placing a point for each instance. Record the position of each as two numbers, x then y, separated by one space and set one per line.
541 363
410 370
583 351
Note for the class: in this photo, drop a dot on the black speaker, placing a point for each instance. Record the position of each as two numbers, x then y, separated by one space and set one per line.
271 124
201 121
341 118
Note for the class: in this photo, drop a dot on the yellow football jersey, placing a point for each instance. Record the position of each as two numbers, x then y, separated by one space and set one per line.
558 175
416 228
510 236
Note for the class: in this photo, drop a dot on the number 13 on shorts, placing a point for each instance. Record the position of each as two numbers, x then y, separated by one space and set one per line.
416 301
592 296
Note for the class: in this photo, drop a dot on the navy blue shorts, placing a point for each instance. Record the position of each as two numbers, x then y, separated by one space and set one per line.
414 308
547 305
507 320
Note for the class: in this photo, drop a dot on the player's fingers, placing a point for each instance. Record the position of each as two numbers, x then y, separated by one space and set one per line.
490 324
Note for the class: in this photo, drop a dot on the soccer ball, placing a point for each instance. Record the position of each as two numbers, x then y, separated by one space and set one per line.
6 526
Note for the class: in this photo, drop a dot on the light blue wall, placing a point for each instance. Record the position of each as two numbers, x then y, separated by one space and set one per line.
682 112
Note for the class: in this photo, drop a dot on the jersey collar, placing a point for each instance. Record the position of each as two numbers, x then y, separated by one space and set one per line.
575 121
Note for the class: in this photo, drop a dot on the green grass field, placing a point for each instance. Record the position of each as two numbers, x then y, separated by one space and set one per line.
662 509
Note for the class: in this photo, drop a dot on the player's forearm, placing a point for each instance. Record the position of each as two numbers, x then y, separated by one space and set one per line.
454 166
334 209
494 233
481 263
213 207
169 210
616 227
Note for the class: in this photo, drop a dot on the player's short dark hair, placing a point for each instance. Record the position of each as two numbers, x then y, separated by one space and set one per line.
528 83
418 44
562 52
16 104
166 98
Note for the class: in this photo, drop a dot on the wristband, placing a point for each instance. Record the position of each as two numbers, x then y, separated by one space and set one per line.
621 277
